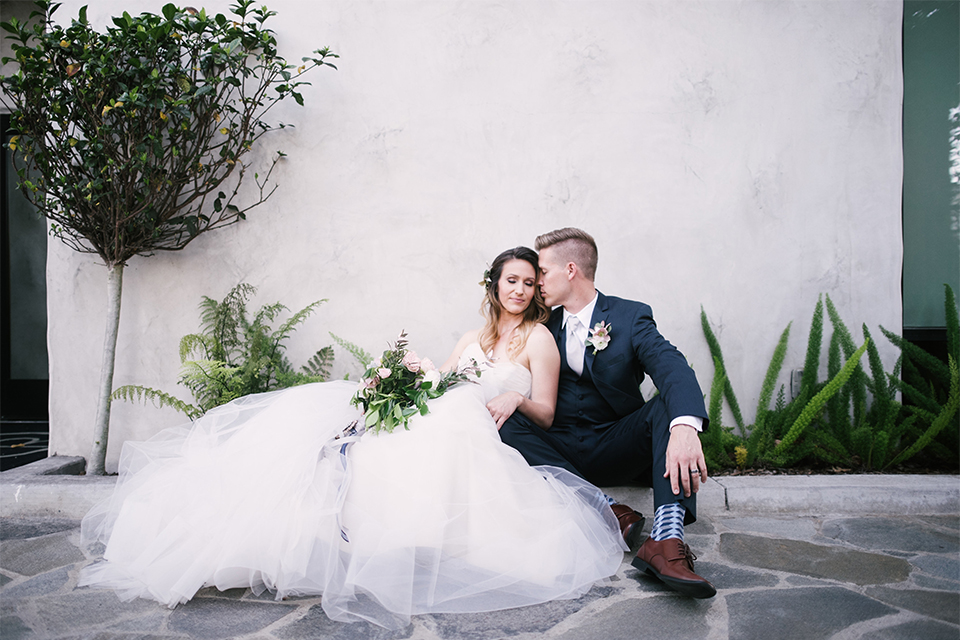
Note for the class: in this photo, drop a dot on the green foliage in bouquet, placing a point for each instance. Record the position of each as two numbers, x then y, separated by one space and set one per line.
235 355
851 419
398 385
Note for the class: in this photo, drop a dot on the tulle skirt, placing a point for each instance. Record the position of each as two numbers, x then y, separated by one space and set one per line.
258 493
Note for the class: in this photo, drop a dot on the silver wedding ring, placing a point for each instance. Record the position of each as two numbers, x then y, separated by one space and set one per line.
697 471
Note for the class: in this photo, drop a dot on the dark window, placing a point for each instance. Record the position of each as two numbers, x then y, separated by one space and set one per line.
931 212
24 378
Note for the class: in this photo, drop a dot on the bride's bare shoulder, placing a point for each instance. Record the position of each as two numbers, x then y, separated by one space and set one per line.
468 338
541 333
541 340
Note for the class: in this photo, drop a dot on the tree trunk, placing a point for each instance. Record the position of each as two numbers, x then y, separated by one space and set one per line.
96 465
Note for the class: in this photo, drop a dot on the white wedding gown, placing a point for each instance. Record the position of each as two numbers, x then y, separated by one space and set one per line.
442 517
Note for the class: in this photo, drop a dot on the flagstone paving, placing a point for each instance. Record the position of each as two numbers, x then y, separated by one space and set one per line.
803 577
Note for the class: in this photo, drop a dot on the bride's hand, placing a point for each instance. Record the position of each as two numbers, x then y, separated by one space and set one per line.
503 406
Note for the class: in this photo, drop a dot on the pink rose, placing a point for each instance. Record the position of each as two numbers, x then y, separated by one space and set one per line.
369 383
383 373
411 361
427 365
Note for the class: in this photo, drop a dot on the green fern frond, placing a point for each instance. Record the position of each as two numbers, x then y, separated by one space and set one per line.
358 353
881 392
712 437
919 397
828 449
717 354
773 372
855 391
763 438
137 393
319 365
714 412
228 320
267 314
838 407
287 327
881 449
900 428
811 364
234 355
834 362
840 329
945 417
938 370
197 345
209 309
812 409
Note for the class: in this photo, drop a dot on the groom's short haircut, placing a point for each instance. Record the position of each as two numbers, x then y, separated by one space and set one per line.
572 245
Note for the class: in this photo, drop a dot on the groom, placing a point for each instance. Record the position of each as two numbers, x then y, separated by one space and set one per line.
603 430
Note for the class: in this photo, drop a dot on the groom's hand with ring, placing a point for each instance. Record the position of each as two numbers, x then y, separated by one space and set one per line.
686 465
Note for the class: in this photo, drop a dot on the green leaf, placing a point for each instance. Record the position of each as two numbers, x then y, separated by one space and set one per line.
773 372
816 404
812 362
717 354
943 419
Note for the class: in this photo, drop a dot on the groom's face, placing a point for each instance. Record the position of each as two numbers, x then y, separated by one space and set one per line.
554 283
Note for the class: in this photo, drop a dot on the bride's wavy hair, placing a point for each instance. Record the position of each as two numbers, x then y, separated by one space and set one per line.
535 313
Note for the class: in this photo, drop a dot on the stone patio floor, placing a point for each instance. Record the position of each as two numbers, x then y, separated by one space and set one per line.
777 577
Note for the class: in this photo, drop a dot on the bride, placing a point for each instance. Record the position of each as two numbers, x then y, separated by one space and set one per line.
438 518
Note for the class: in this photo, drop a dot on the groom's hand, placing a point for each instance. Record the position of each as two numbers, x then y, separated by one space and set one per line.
684 455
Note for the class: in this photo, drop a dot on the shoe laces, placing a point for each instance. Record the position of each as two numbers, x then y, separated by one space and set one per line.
686 554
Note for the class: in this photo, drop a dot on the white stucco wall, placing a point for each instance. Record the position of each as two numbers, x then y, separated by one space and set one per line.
745 156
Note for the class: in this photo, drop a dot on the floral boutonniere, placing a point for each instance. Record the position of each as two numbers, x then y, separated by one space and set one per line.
599 336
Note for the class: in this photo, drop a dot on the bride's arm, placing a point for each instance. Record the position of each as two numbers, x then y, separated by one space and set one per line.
454 359
544 360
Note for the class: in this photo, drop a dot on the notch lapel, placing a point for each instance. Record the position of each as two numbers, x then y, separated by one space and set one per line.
599 314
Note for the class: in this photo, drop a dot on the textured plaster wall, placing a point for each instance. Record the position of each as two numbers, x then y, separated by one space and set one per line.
740 155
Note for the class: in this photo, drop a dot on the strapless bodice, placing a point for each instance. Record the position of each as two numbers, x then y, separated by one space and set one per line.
497 377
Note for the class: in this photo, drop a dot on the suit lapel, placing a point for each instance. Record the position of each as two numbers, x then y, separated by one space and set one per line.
554 322
599 314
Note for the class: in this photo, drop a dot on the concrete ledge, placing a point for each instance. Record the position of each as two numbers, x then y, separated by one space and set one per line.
842 494
52 487
42 489
52 466
54 496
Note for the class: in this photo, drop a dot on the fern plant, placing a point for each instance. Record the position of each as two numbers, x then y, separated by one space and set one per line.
235 355
854 418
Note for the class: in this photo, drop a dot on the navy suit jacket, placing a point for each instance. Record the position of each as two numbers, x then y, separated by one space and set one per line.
636 349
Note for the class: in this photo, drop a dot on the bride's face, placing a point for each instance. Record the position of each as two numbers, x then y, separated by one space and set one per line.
517 286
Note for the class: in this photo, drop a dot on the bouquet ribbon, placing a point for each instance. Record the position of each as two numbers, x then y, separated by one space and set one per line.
342 443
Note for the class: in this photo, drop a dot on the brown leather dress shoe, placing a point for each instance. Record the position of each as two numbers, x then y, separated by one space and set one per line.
631 524
672 561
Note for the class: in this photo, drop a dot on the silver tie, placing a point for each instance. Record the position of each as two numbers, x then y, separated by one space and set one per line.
575 346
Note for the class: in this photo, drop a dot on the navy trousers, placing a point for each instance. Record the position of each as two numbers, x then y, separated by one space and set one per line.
629 450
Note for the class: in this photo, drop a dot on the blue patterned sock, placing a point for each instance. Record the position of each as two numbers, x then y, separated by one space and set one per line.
610 501
668 522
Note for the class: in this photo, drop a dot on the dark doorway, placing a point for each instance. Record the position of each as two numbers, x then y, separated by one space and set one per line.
24 377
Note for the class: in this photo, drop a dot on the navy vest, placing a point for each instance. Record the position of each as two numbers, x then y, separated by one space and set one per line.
579 404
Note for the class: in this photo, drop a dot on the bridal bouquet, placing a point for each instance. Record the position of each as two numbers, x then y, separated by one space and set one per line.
398 385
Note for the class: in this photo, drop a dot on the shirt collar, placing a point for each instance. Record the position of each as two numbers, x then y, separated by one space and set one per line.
584 315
